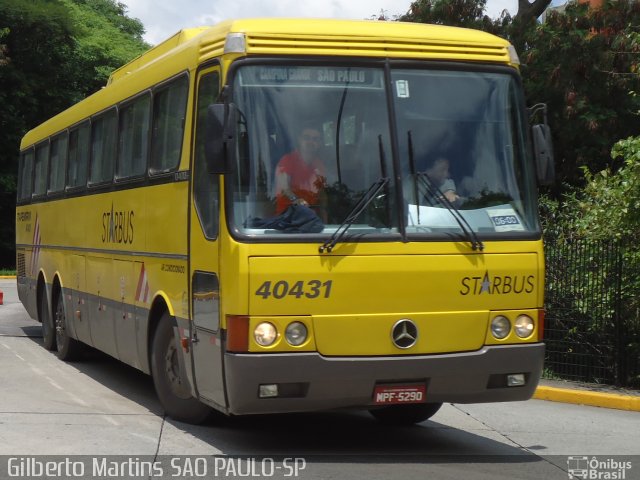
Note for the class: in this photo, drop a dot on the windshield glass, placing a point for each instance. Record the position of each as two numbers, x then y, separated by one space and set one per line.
313 140
463 146
315 137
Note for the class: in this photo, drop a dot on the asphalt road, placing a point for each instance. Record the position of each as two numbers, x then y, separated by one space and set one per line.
100 410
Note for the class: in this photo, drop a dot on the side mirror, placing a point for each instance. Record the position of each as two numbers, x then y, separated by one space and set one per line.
220 131
542 146
543 150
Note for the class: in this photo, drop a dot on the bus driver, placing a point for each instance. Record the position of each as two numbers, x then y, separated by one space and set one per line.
300 174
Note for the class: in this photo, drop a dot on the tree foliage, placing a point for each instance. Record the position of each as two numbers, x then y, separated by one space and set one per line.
107 39
52 54
603 215
458 13
584 63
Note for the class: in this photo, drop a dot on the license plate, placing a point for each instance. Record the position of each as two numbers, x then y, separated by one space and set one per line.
394 394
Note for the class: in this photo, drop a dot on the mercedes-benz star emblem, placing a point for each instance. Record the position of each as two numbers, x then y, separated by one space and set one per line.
404 333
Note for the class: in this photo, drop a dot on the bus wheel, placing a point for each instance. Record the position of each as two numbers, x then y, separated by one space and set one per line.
172 390
68 348
48 333
405 414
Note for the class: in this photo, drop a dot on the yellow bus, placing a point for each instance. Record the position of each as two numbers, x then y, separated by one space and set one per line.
283 215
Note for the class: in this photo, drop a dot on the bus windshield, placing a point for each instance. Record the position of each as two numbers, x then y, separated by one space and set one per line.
313 140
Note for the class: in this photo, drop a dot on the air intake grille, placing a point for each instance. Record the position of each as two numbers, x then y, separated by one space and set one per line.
20 265
400 48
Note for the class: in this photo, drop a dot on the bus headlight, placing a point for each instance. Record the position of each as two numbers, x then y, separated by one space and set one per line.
296 333
500 327
523 326
265 334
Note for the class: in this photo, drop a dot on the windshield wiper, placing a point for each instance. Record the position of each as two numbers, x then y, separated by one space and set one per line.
355 212
439 196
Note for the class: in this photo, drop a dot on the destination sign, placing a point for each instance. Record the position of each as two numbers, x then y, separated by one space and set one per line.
297 76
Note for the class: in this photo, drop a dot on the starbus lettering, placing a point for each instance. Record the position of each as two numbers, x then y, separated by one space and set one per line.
117 226
497 284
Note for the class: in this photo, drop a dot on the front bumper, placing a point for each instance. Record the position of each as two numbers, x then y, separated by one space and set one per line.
323 383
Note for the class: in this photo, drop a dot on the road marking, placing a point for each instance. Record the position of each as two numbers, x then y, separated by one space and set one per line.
21 358
112 421
77 399
55 384
6 346
145 437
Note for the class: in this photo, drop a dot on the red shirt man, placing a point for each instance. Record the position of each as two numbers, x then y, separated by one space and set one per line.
300 175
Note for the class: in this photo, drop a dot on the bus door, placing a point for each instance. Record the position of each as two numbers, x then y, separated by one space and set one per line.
206 348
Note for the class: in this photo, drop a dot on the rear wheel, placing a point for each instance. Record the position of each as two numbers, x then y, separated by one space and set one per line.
67 348
173 390
48 333
406 414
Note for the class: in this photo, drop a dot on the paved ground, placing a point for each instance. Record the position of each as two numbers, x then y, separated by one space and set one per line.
100 407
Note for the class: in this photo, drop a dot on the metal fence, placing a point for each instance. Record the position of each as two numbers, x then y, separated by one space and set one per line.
592 301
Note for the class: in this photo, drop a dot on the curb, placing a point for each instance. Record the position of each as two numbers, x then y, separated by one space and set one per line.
583 397
7 277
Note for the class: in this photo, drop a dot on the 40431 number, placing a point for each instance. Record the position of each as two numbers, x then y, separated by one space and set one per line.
282 289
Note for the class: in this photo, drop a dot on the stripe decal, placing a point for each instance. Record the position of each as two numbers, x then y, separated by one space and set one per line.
102 251
37 240
142 291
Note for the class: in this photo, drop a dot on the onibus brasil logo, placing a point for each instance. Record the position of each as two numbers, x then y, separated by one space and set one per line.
594 468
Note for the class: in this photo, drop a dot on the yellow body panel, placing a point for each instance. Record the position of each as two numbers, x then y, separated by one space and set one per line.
355 300
396 283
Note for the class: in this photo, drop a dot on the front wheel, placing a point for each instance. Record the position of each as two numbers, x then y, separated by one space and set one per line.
173 390
406 414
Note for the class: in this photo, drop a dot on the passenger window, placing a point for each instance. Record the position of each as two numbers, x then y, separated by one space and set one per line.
205 185
134 138
59 147
103 147
78 156
42 162
25 176
169 108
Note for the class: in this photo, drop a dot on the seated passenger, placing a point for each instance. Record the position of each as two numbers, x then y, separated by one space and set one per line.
439 175
440 179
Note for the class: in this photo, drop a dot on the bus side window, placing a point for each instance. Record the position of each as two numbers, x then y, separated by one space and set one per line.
41 169
205 184
78 156
104 131
59 146
169 110
134 138
25 178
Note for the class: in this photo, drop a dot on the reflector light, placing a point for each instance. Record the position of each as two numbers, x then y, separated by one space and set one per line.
237 333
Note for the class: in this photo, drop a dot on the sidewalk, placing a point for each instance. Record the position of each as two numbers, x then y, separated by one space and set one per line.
588 394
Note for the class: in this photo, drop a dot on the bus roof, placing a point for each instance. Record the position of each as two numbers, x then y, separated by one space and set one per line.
284 36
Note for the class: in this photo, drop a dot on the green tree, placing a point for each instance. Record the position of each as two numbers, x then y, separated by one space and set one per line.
52 54
457 13
584 63
106 39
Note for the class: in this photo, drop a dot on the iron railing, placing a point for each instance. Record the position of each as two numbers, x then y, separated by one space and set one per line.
592 299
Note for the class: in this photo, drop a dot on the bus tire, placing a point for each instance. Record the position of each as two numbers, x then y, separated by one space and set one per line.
48 332
405 414
68 348
173 391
